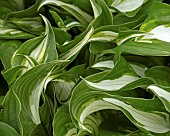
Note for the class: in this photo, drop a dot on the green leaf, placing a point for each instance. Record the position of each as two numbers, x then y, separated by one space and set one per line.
1 100
87 101
30 60
42 49
162 93
143 120
7 130
77 44
63 124
107 18
29 12
34 45
158 74
80 15
12 32
73 74
116 78
62 89
97 47
92 123
46 116
5 9
104 36
11 110
108 64
57 19
104 64
50 40
141 82
18 4
126 35
66 81
10 47
12 74
160 33
122 67
96 8
139 69
155 48
108 128
38 130
97 11
61 36
112 85
129 8
29 93
120 48
84 5
158 15
31 25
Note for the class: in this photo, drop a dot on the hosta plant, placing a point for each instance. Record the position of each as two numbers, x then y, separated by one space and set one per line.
84 68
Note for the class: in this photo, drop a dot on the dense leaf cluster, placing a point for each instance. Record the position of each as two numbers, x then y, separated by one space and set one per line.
84 68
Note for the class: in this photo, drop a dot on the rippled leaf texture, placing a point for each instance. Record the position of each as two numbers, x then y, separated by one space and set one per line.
42 49
10 111
7 130
80 15
84 67
6 58
10 31
34 83
62 118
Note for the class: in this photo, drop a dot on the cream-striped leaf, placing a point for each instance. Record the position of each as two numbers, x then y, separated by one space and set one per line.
112 85
80 15
156 123
162 93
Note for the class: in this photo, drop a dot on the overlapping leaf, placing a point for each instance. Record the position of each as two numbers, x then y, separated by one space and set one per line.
78 68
